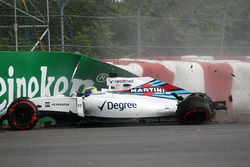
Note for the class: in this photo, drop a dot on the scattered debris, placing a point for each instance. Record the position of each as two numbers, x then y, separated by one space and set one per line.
230 98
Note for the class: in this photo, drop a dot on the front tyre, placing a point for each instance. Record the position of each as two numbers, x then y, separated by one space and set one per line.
195 109
22 114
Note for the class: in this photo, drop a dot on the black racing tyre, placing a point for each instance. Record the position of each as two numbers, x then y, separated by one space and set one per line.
195 109
22 114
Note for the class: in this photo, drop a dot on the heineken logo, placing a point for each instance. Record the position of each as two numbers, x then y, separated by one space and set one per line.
13 86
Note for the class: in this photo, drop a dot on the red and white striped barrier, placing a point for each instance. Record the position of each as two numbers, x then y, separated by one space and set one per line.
219 77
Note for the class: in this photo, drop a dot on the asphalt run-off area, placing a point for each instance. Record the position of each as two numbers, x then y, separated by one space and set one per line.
222 145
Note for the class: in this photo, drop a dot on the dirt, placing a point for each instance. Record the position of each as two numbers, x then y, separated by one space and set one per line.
231 117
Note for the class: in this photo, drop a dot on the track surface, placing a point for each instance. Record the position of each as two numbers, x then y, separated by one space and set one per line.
159 145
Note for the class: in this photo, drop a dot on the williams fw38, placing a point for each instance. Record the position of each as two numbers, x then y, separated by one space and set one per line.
124 98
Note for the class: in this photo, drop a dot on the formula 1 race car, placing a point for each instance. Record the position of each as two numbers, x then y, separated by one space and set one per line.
125 98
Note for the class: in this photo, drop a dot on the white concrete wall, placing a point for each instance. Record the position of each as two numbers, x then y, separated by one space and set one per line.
219 77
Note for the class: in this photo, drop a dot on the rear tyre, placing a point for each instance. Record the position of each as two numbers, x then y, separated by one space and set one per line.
22 114
195 109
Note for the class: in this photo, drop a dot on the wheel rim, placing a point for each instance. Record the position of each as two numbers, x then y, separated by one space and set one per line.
196 116
22 115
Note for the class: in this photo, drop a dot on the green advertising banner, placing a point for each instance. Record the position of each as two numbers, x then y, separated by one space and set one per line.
34 74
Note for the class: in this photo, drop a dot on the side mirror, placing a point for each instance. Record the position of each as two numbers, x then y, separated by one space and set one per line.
179 98
230 98
126 85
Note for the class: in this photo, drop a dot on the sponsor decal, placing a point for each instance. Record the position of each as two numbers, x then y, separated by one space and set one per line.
101 107
47 104
98 93
109 105
60 104
147 90
79 105
121 81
